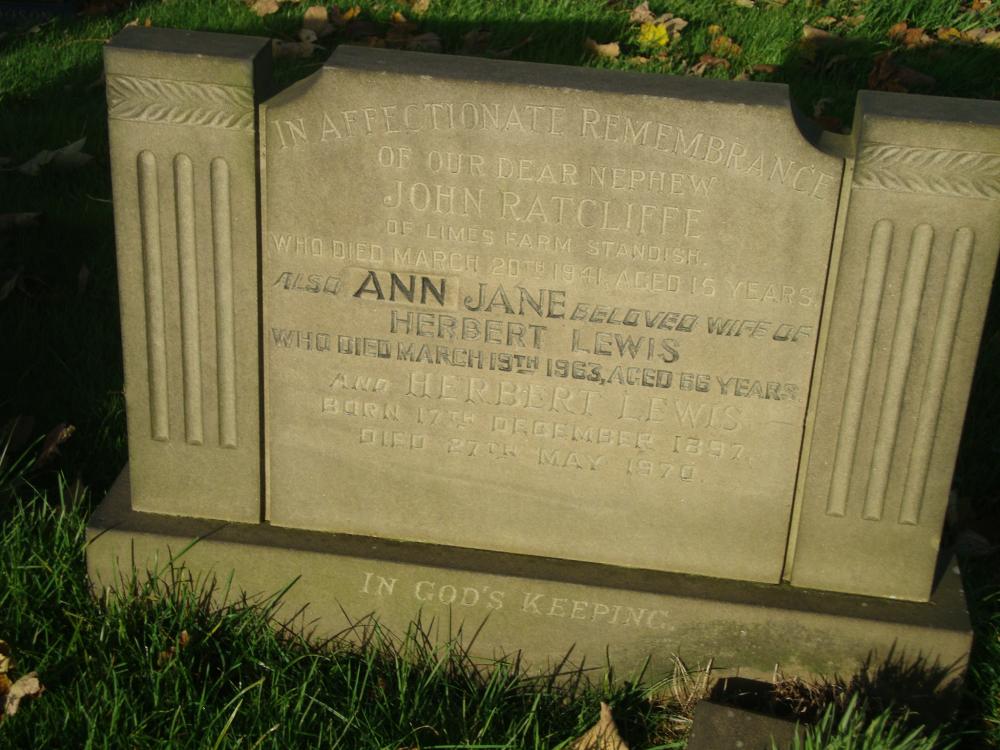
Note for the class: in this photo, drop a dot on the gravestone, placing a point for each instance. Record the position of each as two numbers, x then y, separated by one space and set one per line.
629 364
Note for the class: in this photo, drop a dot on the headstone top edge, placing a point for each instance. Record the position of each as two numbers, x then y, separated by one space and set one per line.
185 42
927 108
549 75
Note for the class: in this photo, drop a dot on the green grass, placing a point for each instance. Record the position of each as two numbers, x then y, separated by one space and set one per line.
115 671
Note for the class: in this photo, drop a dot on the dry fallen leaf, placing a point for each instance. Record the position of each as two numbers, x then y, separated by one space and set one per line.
745 3
897 30
419 7
765 69
56 437
886 75
825 22
724 45
641 13
317 20
346 17
949 34
27 686
263 7
916 37
610 50
813 34
164 657
67 157
602 736
705 62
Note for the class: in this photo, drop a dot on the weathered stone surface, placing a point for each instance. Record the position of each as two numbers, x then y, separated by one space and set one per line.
542 310
182 126
538 340
719 727
544 608
910 285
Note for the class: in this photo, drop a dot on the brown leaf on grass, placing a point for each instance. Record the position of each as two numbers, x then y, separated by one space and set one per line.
724 45
886 75
641 13
56 437
317 20
950 34
19 220
608 50
897 30
637 60
163 658
475 42
602 736
765 69
815 35
706 62
27 686
909 36
673 24
853 20
342 19
67 157
915 37
825 22
263 7
745 3
978 6
419 7
991 37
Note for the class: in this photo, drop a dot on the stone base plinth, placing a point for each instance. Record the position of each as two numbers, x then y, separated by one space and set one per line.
543 608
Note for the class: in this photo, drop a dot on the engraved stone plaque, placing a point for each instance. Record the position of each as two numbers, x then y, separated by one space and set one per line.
574 359
538 313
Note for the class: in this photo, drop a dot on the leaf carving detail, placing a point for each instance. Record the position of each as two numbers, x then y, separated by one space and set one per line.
909 169
180 102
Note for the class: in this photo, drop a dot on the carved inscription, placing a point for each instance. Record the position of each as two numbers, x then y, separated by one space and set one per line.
562 304
473 597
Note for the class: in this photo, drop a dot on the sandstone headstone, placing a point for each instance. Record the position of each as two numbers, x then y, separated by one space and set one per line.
610 358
